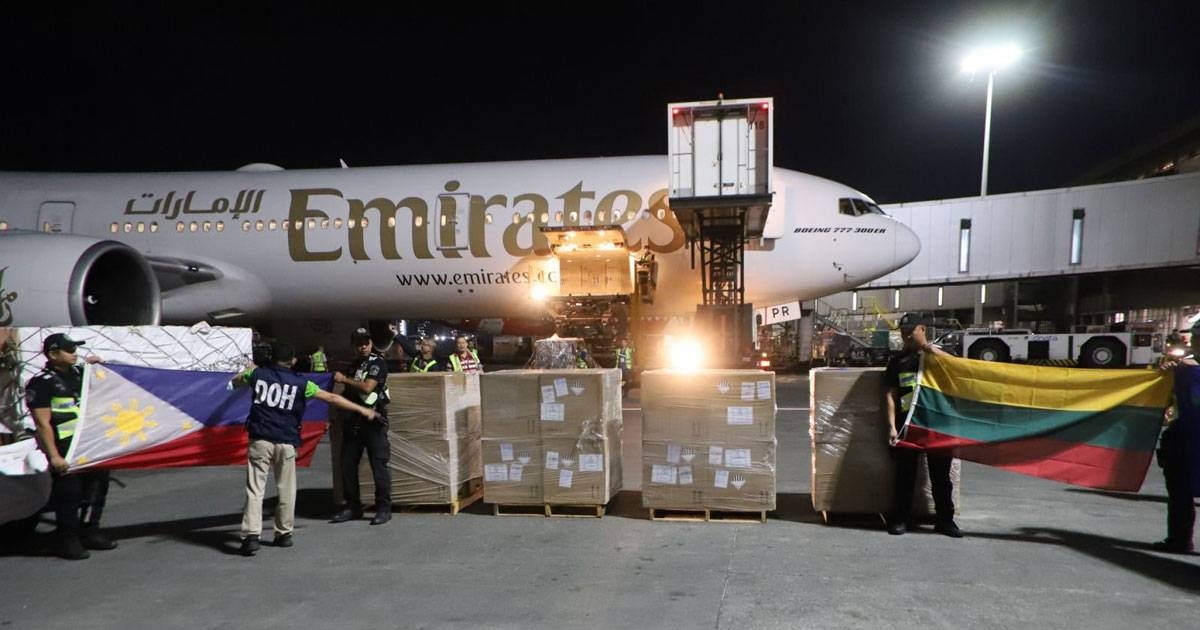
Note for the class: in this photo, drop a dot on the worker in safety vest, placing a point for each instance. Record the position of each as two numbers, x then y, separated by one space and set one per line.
465 358
318 360
425 361
625 360
54 396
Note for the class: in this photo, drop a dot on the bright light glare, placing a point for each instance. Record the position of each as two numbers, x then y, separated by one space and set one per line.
539 292
991 59
686 354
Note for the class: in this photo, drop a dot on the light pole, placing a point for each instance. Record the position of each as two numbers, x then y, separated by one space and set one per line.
990 60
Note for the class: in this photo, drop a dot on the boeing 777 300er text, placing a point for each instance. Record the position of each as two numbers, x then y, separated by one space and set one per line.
436 241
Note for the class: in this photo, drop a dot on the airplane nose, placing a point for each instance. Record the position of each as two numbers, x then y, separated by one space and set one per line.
907 245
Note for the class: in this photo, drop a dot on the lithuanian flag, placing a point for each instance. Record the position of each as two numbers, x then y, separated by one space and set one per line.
1087 427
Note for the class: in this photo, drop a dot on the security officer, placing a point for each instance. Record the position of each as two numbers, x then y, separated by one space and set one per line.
465 358
318 360
1176 461
900 376
368 387
426 362
53 397
280 396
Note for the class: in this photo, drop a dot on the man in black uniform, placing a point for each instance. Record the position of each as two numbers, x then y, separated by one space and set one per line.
53 397
900 377
1176 461
368 388
425 361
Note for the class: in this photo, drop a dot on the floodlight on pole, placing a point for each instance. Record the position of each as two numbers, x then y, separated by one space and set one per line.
990 60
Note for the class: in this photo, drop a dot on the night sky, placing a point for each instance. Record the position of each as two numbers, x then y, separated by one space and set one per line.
869 94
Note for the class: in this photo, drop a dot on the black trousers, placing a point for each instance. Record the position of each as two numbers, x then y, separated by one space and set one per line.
78 497
358 435
1181 506
907 461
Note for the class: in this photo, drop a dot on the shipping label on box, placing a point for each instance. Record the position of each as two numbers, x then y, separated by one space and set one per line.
510 471
583 471
721 405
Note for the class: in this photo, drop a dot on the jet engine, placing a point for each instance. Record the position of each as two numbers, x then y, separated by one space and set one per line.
59 280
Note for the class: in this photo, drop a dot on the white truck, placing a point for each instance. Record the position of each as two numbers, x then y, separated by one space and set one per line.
1092 350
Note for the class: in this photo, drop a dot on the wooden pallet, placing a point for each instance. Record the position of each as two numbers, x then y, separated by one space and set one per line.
575 511
703 515
471 492
500 509
549 510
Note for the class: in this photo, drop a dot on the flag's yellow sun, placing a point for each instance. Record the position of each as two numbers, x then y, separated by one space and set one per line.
129 422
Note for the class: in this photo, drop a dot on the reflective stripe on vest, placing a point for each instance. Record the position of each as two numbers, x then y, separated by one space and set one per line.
64 416
624 357
907 379
473 364
416 368
318 361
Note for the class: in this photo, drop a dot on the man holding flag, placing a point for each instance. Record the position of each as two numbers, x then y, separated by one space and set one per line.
280 396
1174 452
54 396
901 379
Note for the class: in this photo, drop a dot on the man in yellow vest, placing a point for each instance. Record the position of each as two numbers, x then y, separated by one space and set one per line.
625 362
426 362
317 359
465 358
53 397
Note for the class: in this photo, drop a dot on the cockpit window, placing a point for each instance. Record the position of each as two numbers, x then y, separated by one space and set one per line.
858 207
866 207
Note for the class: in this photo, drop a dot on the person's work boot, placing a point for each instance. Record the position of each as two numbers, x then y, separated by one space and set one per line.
1170 546
70 548
347 514
382 516
949 528
93 538
250 546
897 527
283 540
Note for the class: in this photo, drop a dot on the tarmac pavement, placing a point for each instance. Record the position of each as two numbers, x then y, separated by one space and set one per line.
1036 554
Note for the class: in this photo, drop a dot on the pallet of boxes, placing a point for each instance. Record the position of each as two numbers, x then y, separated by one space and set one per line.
551 441
434 432
708 445
852 467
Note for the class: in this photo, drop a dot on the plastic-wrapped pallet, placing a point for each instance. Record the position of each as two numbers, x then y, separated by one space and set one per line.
434 434
556 353
708 440
852 467
562 425
200 347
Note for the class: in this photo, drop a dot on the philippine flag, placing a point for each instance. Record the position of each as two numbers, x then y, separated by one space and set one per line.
138 417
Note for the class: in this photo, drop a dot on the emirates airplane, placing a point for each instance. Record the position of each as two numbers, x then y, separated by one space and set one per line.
264 244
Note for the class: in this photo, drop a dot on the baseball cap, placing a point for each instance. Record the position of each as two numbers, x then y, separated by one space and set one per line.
59 341
360 334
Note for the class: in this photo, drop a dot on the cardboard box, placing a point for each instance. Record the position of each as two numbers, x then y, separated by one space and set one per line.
709 475
509 403
512 471
579 403
852 469
439 404
425 469
714 405
584 471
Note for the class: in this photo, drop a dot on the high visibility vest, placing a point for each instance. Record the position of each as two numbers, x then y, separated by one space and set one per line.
422 368
64 410
625 358
580 363
318 361
472 364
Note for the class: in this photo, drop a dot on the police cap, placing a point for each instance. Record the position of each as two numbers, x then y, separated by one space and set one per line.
59 341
